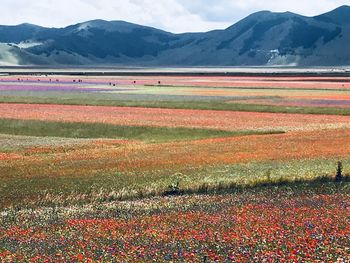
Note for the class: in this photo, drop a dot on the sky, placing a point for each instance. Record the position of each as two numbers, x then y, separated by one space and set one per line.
175 16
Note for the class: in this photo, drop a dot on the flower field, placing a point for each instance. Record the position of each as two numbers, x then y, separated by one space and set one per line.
316 95
220 120
285 225
174 169
84 159
200 81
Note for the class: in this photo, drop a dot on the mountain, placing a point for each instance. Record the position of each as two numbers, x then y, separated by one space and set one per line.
263 38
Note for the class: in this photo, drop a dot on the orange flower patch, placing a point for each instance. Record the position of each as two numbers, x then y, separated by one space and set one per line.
175 155
9 156
222 120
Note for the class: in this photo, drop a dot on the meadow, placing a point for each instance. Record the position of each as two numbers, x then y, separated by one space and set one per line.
174 169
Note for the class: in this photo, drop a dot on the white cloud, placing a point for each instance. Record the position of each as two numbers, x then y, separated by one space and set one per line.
234 10
171 15
165 14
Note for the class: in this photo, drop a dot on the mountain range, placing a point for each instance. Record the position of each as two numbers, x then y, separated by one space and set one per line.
261 39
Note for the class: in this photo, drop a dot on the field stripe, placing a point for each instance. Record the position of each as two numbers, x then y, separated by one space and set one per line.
99 130
203 119
180 155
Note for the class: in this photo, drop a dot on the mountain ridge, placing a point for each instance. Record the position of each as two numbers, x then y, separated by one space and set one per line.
262 38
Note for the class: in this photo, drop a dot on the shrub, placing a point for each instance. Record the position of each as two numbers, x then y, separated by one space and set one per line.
339 175
173 189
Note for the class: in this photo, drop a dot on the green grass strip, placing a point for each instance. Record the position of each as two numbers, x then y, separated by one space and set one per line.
99 130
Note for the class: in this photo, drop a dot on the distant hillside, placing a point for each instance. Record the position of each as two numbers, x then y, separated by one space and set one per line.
261 39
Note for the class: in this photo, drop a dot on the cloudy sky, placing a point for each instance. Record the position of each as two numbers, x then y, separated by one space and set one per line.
171 15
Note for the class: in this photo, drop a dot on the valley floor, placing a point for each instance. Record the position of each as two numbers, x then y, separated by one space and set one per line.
88 167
